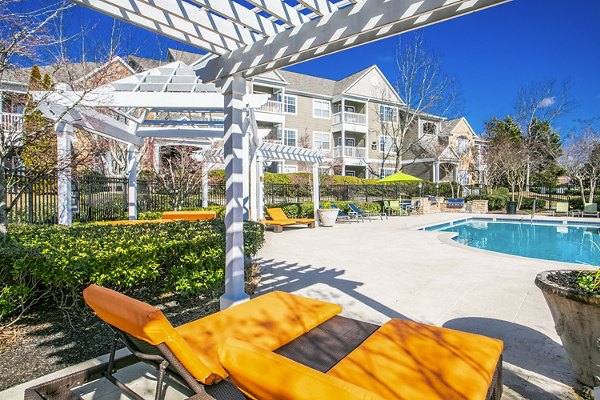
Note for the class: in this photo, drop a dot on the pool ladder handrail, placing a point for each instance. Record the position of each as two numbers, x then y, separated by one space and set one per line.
533 210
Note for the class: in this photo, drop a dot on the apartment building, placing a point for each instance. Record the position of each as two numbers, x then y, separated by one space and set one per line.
347 120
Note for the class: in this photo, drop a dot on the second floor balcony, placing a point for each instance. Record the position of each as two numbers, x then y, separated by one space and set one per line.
271 111
351 121
350 152
11 122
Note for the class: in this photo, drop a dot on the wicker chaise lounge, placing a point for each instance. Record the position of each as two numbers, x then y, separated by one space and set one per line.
283 346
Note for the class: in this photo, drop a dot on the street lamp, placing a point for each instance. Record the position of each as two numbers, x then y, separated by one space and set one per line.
420 189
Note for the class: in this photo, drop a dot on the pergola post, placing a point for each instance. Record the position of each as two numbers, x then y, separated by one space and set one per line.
63 140
316 194
260 187
205 185
246 164
233 91
133 157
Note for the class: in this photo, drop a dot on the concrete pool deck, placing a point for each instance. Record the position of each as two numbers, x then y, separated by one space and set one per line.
388 269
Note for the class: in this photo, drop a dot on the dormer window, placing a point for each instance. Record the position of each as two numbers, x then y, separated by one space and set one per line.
429 128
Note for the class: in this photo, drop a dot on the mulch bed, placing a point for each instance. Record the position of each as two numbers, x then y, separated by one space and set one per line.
46 340
568 280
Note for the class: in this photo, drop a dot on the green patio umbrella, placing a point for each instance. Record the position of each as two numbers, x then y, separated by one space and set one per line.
400 177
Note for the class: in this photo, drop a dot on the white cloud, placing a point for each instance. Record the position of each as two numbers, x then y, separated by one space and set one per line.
547 102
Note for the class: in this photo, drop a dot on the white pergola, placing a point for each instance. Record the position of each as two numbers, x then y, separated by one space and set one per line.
243 38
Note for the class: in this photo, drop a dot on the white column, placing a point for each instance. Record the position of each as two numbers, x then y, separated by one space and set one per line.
343 138
133 158
437 171
156 156
260 187
246 164
205 169
65 212
233 91
316 194
254 176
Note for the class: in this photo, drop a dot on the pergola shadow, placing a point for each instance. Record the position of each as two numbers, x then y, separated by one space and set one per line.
289 277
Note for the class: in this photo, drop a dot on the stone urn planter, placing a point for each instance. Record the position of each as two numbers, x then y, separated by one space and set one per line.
576 317
327 216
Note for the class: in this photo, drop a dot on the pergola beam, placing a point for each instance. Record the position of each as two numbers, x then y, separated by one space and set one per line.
136 17
239 14
281 10
364 22
180 132
319 7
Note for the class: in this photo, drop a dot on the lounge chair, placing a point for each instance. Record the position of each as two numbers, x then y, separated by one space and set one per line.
362 214
393 207
279 220
407 206
342 216
457 203
589 210
561 208
283 346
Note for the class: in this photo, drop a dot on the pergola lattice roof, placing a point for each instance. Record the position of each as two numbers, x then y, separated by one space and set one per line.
254 36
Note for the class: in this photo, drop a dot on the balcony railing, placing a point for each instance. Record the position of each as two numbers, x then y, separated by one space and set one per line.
351 152
273 107
350 118
11 122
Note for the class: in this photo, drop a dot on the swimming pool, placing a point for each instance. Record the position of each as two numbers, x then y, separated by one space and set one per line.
573 242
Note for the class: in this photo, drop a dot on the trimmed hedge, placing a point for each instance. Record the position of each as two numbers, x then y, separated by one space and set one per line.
55 263
150 215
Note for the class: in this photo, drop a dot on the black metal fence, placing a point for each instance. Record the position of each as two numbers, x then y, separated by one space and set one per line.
96 198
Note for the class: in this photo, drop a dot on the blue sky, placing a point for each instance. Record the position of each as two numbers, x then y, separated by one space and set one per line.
491 53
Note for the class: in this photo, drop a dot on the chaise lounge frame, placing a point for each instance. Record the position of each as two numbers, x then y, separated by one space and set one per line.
342 335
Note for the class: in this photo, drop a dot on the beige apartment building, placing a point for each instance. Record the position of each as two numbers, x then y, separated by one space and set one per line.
347 119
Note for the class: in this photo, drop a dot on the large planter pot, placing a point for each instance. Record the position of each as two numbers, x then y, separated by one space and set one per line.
511 207
577 322
327 216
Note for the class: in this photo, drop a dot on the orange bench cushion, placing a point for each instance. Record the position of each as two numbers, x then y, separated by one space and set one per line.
408 360
146 323
189 215
269 321
138 222
264 375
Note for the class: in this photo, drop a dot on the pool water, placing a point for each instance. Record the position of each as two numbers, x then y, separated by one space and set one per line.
559 242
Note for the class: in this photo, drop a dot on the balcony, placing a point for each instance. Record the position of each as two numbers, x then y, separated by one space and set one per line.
271 111
11 122
350 121
351 153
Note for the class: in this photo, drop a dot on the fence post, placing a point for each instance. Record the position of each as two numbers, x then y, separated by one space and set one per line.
366 193
30 200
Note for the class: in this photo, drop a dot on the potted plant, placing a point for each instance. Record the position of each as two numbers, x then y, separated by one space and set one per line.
574 300
328 216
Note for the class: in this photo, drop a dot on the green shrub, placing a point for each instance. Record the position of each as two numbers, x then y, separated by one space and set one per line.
58 262
305 210
527 204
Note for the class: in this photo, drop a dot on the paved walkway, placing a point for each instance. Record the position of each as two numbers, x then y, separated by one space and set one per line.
388 269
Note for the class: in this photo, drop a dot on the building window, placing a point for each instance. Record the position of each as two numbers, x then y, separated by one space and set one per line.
388 113
321 141
350 172
428 128
386 144
462 145
321 109
383 172
290 168
463 177
349 142
290 137
289 104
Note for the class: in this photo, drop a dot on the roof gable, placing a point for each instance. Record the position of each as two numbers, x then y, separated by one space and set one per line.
372 83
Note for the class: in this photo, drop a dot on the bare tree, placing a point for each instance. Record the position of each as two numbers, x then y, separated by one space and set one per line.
424 90
506 162
581 161
543 101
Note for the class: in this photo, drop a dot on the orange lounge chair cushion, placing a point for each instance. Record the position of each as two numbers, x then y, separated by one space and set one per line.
189 215
264 375
269 321
277 214
407 360
278 222
146 323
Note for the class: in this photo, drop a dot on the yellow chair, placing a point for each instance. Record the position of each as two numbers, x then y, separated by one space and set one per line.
277 215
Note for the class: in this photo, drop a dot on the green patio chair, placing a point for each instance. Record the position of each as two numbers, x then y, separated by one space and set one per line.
395 208
561 208
590 210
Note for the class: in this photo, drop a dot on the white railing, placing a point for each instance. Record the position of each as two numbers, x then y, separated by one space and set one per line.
11 122
273 107
274 141
351 152
350 118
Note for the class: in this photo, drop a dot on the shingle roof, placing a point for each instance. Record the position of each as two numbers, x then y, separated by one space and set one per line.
308 84
449 125
141 64
181 55
59 73
348 81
